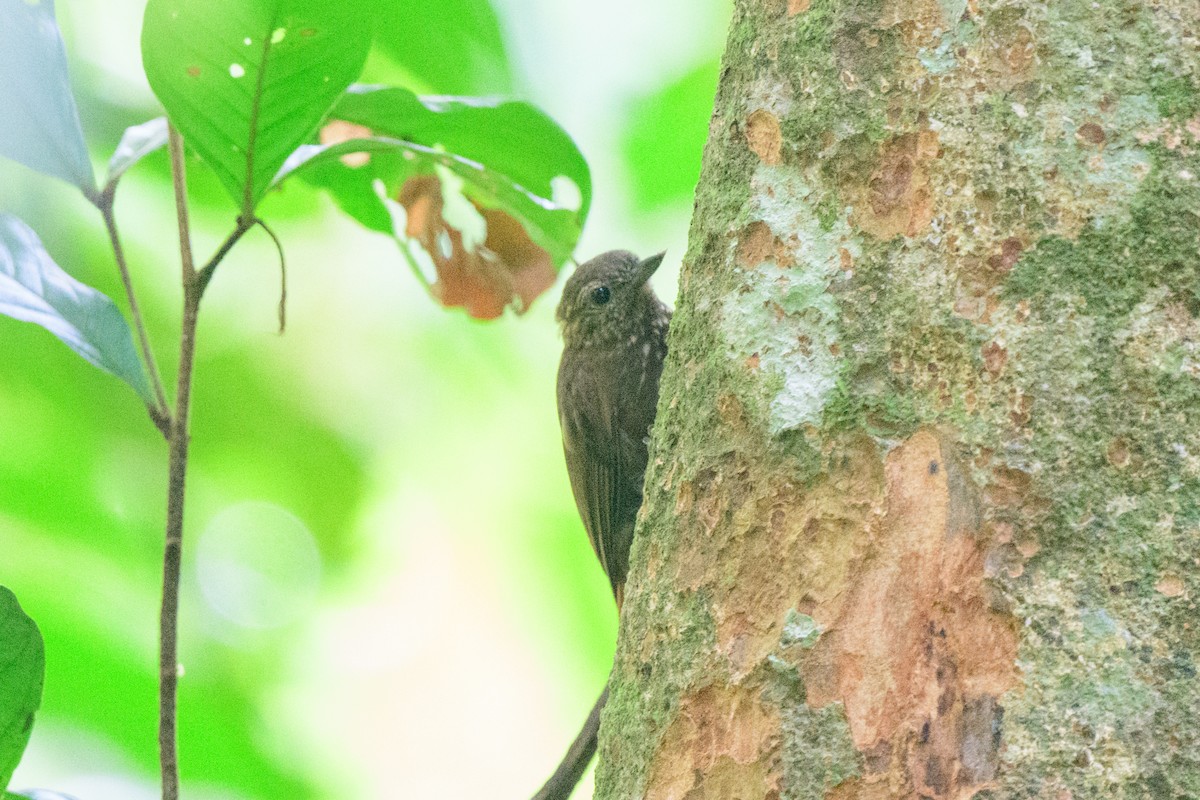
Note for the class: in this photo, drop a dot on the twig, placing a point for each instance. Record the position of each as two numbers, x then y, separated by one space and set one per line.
570 770
160 411
206 272
168 656
194 283
282 275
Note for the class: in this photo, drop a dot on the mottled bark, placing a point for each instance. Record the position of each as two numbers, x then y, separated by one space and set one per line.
923 511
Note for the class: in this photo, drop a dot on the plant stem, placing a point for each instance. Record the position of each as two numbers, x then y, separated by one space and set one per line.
168 667
161 413
194 283
282 274
205 274
168 656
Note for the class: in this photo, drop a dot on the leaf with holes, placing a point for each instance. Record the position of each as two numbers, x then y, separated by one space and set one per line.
41 124
484 242
247 81
35 289
509 138
510 156
394 162
22 666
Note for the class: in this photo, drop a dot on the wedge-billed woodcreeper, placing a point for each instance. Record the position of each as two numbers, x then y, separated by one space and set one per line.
614 343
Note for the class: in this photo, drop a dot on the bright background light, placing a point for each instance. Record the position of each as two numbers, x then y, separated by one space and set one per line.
388 593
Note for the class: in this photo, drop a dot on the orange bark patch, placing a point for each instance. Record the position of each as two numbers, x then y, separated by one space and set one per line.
733 414
845 259
1009 54
1009 488
858 789
1090 133
764 136
897 199
758 243
1010 252
798 7
1118 453
887 554
994 357
918 22
916 654
1170 586
716 747
760 550
755 244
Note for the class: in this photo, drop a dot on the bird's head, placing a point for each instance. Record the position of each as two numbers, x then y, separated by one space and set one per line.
608 300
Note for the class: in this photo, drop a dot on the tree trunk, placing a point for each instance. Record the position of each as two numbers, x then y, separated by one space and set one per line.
923 511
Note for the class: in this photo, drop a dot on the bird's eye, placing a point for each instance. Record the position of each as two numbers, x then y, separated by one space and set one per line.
601 295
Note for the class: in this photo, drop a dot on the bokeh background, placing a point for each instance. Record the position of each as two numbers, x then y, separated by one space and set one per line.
388 593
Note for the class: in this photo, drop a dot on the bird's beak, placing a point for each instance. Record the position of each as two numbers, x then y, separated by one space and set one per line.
648 267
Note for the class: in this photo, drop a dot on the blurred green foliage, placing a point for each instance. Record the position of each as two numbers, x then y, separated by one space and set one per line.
420 450
666 135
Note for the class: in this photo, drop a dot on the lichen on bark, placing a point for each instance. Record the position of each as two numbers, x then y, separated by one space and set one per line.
935 383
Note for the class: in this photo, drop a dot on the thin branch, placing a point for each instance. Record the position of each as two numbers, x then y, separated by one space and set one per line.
161 411
168 655
282 275
575 763
205 274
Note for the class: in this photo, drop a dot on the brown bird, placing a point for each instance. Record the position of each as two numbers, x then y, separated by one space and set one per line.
614 343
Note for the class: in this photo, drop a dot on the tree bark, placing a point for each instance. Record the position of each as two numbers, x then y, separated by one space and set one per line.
923 511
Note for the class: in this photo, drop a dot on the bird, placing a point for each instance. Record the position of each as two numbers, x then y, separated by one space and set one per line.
614 331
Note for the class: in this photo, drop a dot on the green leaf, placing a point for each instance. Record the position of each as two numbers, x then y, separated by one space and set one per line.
41 124
35 289
554 229
510 155
447 47
512 138
247 81
22 667
136 143
39 794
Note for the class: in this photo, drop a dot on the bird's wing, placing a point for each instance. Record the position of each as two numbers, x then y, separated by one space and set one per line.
592 447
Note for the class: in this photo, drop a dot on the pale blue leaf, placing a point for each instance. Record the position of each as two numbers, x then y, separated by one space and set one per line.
35 289
41 124
136 143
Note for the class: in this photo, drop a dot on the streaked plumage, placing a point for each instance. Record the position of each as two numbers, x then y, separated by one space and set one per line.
615 341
